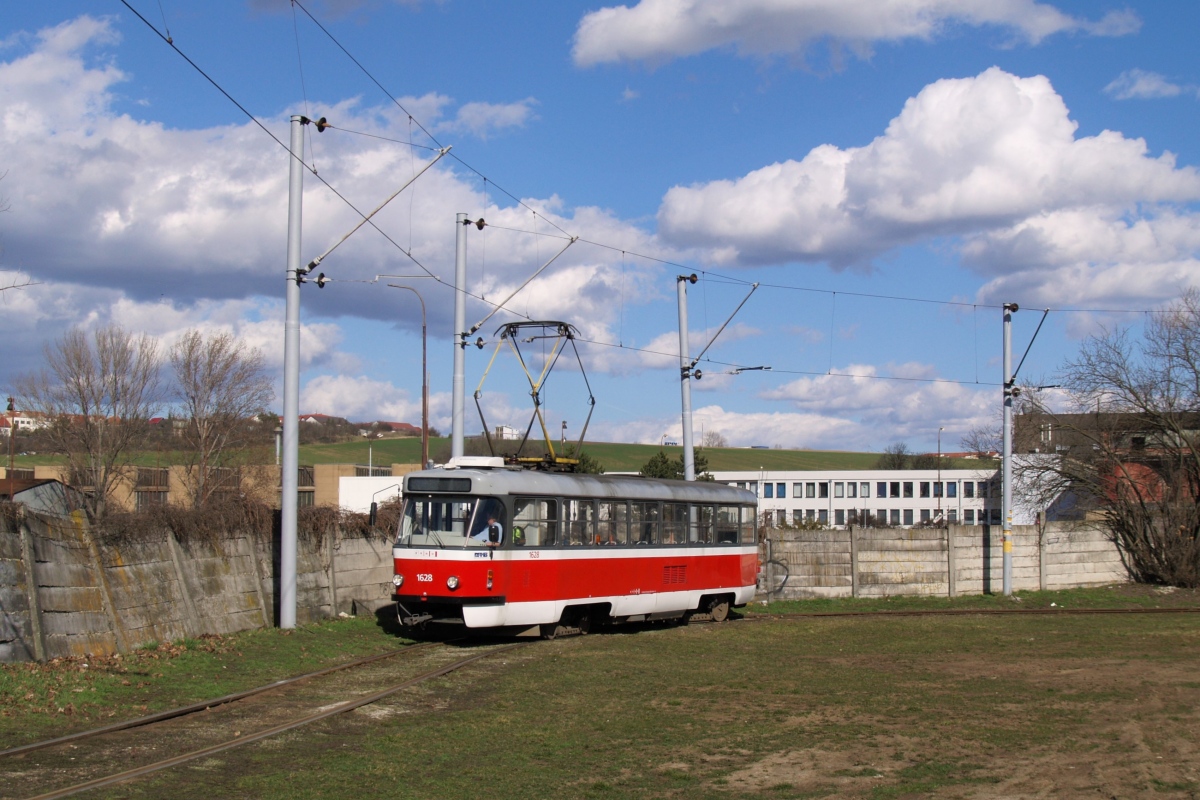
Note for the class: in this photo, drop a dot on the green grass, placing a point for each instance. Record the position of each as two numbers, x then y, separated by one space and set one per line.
682 713
43 701
616 457
867 707
1102 597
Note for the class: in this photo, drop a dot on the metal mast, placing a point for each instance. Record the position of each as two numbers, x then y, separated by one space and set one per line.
685 377
460 335
1006 466
291 385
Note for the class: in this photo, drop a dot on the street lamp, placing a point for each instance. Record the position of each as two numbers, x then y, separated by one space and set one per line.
941 489
424 380
12 437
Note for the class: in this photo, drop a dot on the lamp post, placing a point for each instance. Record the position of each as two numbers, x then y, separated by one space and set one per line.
424 380
941 489
12 437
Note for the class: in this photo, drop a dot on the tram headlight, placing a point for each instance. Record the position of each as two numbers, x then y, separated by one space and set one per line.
452 582
397 580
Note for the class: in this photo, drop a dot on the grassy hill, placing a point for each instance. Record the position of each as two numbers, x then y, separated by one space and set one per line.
615 457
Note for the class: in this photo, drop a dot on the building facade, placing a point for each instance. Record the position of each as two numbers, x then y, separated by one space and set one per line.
892 498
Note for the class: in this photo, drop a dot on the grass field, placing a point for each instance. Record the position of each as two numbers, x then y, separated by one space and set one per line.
871 707
614 456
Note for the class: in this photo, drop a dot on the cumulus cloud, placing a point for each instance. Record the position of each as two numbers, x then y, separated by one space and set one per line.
102 200
908 408
1142 85
484 119
991 161
660 30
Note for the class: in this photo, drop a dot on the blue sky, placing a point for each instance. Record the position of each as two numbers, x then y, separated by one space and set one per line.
968 152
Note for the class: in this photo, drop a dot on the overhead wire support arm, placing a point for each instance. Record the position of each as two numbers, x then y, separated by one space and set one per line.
316 261
516 291
696 360
1013 378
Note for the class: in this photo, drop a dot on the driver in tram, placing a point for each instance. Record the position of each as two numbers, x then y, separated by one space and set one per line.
492 535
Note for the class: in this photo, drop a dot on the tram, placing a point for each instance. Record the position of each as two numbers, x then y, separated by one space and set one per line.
497 547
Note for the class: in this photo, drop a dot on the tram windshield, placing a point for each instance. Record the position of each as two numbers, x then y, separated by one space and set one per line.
453 523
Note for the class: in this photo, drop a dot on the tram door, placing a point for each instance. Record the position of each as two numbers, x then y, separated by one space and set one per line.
491 524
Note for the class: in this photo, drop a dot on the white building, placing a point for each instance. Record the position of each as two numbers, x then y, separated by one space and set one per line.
837 498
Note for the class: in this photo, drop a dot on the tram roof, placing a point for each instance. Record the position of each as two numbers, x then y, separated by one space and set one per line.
633 487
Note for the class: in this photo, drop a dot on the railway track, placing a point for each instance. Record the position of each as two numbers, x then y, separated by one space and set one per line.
961 612
231 732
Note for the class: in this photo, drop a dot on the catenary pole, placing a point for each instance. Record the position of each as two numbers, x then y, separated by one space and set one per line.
1006 464
685 377
460 336
291 385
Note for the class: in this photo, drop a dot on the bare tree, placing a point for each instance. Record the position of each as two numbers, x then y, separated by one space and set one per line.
17 283
98 393
1130 455
714 439
221 384
894 456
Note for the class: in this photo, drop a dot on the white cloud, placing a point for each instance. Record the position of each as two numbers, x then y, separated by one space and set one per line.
659 30
484 119
103 200
1140 84
993 160
908 408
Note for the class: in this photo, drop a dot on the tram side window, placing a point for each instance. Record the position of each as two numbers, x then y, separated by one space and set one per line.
644 521
674 523
727 524
536 519
579 518
747 525
612 522
701 525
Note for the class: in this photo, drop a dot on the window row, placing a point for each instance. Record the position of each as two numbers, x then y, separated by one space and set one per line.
860 489
883 516
550 522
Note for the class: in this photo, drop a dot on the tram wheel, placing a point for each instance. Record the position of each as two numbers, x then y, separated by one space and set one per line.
719 610
550 630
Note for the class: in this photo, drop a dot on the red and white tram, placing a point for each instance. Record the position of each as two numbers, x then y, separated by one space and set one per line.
499 547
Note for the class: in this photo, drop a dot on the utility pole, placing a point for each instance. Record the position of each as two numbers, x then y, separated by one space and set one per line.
685 377
1006 464
291 384
941 489
12 437
460 335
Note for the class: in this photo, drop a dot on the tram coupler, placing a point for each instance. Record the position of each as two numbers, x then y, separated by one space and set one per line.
410 620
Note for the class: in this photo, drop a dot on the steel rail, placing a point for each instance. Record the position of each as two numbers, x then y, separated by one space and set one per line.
953 612
349 705
206 704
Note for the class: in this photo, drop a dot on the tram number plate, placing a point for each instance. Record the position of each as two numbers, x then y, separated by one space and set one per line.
424 577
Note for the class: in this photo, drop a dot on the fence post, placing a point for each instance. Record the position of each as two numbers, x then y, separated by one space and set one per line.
853 562
951 564
332 538
35 605
1042 567
114 620
191 620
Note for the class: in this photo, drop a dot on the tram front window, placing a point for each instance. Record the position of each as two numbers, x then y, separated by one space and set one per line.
459 522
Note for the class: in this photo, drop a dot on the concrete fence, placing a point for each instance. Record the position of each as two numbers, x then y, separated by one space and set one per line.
62 593
867 562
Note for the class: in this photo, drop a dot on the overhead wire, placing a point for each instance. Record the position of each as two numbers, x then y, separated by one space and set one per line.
311 170
303 88
717 277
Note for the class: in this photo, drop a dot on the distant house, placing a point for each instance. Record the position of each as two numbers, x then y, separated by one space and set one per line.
24 421
507 432
403 428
